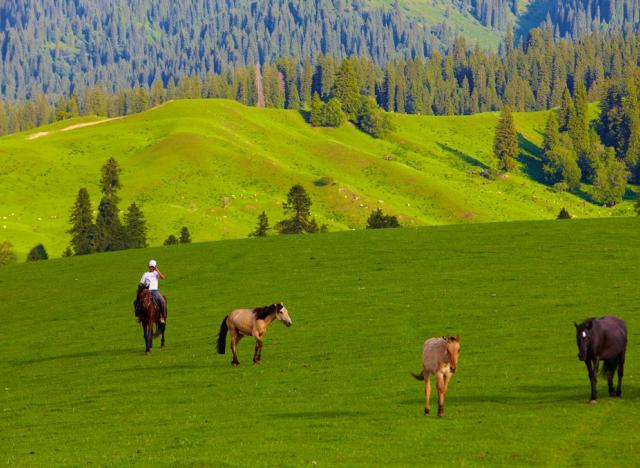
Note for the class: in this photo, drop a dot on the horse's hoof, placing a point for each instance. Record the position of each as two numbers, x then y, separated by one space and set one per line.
255 363
426 412
235 364
593 402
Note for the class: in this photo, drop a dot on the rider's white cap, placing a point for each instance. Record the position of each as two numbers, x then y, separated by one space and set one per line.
152 263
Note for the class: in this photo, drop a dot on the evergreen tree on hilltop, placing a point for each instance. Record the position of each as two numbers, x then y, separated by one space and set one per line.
83 231
110 233
378 220
262 227
110 180
346 89
551 134
317 117
578 125
135 227
505 147
333 114
298 206
171 240
37 253
185 236
611 180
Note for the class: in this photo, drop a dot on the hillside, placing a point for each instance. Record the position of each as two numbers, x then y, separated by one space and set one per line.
214 165
334 389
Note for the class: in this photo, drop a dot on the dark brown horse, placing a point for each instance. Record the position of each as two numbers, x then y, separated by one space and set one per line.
603 339
250 322
148 313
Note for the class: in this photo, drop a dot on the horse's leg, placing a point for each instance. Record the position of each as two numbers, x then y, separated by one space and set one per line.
620 374
257 353
235 337
593 378
163 327
427 392
442 389
611 366
149 337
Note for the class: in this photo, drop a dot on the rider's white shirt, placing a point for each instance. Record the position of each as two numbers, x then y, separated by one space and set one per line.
150 278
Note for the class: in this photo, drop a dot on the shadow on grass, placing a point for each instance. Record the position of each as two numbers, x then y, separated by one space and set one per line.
464 156
87 354
320 414
535 394
531 163
306 115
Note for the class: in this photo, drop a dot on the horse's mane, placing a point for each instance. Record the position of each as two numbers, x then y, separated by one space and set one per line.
262 313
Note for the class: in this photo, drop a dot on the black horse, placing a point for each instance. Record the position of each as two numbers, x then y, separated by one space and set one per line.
603 339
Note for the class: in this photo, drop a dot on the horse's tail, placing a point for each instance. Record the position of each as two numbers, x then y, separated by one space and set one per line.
222 336
418 376
610 366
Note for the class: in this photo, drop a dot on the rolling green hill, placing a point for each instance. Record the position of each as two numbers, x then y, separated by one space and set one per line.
214 165
334 389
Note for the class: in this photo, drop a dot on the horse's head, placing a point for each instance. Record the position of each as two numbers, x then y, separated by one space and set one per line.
583 338
141 287
282 314
453 348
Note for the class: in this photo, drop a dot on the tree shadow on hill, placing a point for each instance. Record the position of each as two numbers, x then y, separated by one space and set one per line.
531 160
306 115
463 156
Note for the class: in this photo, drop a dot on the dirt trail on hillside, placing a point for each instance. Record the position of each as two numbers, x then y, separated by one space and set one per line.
35 136
89 124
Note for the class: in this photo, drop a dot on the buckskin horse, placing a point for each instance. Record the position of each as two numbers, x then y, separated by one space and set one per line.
603 339
250 322
439 357
148 314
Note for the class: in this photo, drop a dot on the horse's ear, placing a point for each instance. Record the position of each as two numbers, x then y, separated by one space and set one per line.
458 338
575 325
589 324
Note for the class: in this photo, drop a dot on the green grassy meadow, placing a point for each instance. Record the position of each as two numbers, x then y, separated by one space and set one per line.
334 389
214 165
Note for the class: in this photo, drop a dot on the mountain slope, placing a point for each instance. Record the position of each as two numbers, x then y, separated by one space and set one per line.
214 165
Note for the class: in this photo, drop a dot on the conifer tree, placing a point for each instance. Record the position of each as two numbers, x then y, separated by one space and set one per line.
171 240
83 231
185 236
566 108
578 126
333 114
505 147
135 227
551 134
110 180
317 116
298 206
346 89
378 220
611 180
37 253
262 227
110 233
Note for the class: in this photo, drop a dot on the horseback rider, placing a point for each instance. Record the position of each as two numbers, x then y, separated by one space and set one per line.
150 279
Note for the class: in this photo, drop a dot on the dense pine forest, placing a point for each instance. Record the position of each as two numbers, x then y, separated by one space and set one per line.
532 75
57 46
